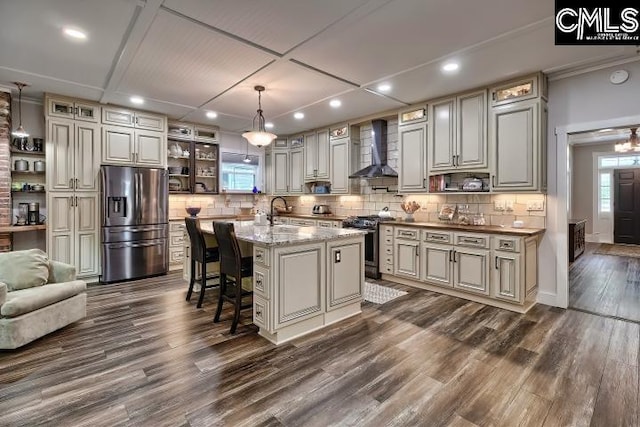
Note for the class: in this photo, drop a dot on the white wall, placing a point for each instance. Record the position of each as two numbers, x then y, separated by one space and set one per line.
580 99
582 181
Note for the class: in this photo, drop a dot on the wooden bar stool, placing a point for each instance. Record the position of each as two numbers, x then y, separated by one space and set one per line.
202 254
233 268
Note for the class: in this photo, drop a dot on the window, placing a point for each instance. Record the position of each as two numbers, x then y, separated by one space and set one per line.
238 175
605 192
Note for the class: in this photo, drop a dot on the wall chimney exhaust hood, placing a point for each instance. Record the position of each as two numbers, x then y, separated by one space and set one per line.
379 167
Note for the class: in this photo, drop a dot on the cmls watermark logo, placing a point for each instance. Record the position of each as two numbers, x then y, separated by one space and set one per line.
604 22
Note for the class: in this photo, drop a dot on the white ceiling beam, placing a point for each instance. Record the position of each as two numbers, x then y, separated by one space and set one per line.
140 23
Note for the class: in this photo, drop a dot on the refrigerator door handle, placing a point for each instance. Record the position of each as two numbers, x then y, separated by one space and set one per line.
136 229
138 198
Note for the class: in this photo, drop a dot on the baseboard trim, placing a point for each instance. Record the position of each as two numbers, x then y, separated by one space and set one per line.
548 298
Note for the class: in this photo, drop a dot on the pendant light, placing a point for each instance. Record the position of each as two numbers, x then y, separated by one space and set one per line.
246 156
259 137
632 144
20 132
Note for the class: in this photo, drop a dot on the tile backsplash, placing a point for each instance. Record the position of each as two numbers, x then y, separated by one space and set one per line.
377 194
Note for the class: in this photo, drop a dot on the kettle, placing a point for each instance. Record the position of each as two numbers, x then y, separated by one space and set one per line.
384 213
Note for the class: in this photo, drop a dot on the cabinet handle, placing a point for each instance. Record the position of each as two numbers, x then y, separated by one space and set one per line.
493 180
70 201
258 312
457 160
469 240
71 183
453 160
417 251
76 202
77 184
450 254
424 183
454 257
75 111
259 282
497 262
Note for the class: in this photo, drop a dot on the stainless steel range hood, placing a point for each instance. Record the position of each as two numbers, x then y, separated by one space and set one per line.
379 167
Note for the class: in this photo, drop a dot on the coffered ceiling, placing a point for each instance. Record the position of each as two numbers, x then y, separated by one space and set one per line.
188 57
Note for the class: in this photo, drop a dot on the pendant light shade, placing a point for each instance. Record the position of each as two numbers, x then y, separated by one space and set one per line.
632 144
259 137
20 132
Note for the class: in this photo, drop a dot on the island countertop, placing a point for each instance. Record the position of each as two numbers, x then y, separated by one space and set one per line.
285 234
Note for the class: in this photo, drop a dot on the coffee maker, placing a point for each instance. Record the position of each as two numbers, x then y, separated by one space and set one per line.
33 215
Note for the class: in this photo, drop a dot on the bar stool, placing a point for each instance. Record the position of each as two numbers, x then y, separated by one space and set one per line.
202 254
233 265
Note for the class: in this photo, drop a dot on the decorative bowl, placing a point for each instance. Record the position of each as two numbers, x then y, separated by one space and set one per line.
175 170
193 210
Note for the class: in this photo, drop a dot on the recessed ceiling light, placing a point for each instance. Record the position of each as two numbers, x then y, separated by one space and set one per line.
74 33
605 130
384 87
136 100
211 114
450 66
335 103
268 125
299 115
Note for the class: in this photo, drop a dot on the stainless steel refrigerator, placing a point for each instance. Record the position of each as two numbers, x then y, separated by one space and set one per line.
134 223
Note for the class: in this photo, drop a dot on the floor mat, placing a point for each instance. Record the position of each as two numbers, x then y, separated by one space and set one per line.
378 294
618 250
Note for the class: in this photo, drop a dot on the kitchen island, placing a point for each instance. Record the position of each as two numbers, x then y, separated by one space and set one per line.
304 278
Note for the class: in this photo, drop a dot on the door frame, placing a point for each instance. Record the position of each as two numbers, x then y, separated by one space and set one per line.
555 246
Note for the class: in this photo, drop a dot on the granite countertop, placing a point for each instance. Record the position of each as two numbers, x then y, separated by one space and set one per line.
494 229
285 234
329 217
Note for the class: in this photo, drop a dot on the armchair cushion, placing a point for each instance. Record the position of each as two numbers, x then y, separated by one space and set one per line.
24 269
59 272
3 293
28 300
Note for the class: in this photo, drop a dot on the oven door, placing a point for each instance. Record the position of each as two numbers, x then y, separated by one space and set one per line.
371 248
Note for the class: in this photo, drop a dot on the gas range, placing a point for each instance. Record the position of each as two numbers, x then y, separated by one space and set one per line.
369 222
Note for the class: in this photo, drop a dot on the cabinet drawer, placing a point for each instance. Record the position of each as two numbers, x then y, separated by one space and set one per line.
261 312
386 269
388 250
388 260
177 226
508 244
386 231
261 255
303 222
326 224
176 255
261 282
388 240
436 237
176 239
471 240
407 233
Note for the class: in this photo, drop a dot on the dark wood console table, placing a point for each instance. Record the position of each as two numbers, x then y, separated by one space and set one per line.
576 238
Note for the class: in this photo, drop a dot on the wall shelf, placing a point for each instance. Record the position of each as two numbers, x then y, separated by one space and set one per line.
22 228
28 191
28 172
27 153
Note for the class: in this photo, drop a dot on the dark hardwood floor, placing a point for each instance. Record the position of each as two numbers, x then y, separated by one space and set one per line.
144 356
605 284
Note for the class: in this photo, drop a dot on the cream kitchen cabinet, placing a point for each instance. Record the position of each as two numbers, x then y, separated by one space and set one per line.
344 157
136 119
514 273
316 156
385 256
412 159
301 222
458 133
345 273
73 232
268 176
495 269
407 253
126 146
296 171
177 230
437 258
73 155
517 132
284 171
66 108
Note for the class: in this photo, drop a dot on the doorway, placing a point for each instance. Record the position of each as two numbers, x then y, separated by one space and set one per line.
626 206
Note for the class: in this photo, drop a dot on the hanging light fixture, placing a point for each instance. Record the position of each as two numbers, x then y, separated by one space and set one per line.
20 132
632 144
259 137
246 156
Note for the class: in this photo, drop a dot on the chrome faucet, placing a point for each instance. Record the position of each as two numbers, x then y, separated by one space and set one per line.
271 209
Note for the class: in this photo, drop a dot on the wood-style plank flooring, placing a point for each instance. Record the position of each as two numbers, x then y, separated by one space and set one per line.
144 356
605 284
